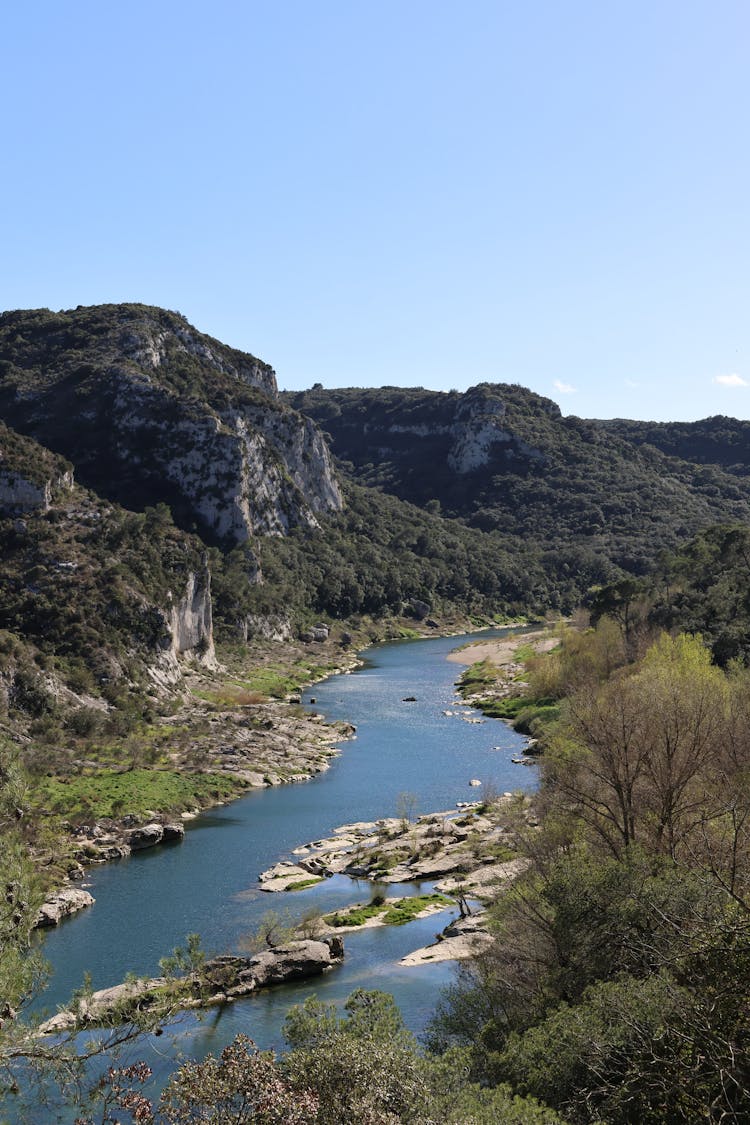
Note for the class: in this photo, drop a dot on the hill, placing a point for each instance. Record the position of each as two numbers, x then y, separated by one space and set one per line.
500 457
150 410
92 597
718 441
208 508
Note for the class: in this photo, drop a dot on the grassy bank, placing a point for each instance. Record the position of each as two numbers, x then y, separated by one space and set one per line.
139 792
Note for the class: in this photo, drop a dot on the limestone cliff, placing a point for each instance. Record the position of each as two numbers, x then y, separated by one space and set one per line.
477 431
434 433
30 477
148 409
90 594
189 620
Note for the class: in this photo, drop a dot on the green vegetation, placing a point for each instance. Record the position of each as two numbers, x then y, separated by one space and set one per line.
379 555
615 986
701 588
110 793
303 884
525 709
394 914
613 990
356 916
408 908
341 1069
717 442
590 497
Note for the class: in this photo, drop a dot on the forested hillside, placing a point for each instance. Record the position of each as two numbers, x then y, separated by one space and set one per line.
717 441
502 458
700 589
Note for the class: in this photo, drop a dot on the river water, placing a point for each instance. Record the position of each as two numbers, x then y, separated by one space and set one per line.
147 903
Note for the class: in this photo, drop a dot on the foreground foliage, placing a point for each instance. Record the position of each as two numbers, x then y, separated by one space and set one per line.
616 987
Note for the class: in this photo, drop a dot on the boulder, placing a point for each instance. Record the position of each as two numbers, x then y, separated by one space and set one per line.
60 905
282 875
147 836
296 960
220 980
173 832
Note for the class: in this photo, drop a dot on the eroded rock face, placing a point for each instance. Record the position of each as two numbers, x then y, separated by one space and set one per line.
19 493
151 345
188 622
267 627
156 411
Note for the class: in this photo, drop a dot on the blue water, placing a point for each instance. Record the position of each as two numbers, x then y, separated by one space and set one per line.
146 904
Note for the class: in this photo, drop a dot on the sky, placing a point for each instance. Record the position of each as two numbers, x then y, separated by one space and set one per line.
409 192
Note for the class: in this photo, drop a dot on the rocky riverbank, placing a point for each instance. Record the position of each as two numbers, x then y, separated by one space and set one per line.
248 745
219 981
234 738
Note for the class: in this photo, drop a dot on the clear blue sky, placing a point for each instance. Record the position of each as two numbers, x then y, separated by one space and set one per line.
404 192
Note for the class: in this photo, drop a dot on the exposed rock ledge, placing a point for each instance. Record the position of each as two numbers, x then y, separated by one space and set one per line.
67 901
473 848
466 937
220 981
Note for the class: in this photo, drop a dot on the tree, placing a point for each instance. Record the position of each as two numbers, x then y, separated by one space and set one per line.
243 1087
406 808
637 757
363 1067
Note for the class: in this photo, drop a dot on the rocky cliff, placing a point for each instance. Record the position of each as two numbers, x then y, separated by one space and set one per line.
148 409
30 477
90 595
429 435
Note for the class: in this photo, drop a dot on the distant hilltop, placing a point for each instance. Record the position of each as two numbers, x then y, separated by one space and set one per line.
499 457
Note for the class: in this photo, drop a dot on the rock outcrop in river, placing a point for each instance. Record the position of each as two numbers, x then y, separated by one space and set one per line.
219 981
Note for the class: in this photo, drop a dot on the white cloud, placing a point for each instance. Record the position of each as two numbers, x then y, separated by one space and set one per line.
730 381
563 388
630 383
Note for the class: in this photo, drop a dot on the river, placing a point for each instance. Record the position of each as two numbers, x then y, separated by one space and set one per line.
147 903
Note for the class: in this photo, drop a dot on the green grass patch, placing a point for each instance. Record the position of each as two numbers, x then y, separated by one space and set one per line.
481 674
115 794
395 914
301 884
357 916
408 908
536 715
268 681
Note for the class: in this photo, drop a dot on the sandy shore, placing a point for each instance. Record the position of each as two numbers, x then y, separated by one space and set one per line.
502 650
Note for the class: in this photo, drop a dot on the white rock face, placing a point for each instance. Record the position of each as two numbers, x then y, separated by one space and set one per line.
188 629
148 346
271 627
256 471
472 436
21 495
191 619
477 428
472 444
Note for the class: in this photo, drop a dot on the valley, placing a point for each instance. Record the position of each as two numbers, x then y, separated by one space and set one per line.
232 629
